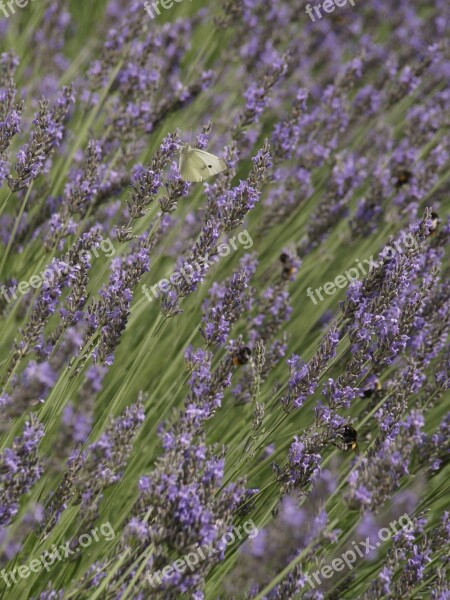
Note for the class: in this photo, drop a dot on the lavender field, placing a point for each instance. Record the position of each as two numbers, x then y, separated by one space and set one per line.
224 299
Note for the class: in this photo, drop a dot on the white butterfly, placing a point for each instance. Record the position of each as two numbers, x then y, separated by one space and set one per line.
197 165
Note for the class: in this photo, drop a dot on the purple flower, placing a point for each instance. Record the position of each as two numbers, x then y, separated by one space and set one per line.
20 468
305 376
49 125
229 301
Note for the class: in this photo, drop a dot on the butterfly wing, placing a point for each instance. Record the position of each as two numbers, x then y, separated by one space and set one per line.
197 165
190 166
213 164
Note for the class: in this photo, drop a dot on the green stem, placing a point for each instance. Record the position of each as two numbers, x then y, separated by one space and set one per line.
16 225
5 203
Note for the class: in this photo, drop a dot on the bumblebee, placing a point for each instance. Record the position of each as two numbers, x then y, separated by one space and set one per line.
403 176
242 357
342 19
371 391
348 439
288 267
435 222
